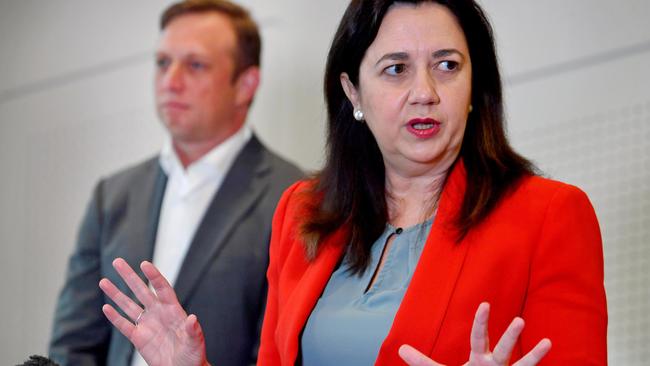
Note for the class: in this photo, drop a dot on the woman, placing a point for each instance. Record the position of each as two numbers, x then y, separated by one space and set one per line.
422 213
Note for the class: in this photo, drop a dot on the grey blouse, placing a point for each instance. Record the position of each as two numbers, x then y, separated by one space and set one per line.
348 324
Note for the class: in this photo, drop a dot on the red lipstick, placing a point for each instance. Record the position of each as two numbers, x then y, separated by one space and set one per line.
423 128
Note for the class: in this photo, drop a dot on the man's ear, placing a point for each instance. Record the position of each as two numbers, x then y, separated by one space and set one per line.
246 86
350 90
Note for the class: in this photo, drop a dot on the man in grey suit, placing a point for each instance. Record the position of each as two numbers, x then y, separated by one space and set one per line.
201 210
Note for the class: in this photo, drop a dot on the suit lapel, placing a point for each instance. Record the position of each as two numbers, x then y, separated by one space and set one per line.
241 188
143 212
153 210
422 311
144 206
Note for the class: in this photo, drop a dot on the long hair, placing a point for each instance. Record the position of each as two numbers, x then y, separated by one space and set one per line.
351 187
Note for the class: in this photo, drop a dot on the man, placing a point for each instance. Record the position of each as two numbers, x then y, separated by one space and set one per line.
201 210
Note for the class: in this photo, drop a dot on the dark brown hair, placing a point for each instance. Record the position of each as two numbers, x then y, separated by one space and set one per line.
351 186
248 36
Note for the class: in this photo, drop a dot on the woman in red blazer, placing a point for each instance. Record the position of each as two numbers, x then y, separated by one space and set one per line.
415 135
537 256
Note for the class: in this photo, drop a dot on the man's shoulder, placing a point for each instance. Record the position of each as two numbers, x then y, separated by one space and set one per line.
135 170
284 166
131 176
282 170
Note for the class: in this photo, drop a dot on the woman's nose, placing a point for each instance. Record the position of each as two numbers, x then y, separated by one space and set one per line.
423 89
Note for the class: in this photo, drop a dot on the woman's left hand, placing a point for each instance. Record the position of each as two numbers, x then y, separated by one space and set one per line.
480 354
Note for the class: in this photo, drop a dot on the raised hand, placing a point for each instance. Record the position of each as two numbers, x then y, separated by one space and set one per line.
162 331
480 354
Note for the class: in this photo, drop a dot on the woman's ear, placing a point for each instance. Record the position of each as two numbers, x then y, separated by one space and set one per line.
350 91
246 86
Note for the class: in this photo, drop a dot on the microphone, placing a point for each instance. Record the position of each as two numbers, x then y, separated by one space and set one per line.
36 360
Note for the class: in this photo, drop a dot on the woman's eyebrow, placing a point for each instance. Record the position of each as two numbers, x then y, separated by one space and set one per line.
394 56
403 56
446 52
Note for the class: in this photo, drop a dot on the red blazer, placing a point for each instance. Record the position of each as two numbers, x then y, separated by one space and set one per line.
538 255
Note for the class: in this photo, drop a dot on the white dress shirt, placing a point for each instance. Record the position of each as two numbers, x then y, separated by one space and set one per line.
188 193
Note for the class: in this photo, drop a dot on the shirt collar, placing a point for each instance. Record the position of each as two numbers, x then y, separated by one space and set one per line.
215 163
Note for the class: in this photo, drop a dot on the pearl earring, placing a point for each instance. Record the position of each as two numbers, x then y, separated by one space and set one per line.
358 115
471 108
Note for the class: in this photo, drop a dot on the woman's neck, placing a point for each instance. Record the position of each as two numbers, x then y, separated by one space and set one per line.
412 199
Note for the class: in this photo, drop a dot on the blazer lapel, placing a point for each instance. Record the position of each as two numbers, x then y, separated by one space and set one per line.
240 189
422 311
304 296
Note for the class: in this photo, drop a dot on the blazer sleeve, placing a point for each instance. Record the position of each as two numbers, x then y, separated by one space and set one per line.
80 333
566 298
269 354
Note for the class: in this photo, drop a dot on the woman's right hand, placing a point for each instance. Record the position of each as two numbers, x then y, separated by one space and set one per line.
162 331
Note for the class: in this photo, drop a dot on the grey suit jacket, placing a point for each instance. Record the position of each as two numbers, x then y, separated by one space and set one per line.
222 279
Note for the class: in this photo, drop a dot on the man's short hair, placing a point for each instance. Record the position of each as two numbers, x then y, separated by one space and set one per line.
248 36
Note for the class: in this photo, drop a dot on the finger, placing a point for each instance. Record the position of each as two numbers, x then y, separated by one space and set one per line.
479 340
193 350
533 357
164 291
134 282
193 329
130 308
122 324
504 347
414 357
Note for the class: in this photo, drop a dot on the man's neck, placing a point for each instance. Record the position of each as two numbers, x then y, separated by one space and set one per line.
189 152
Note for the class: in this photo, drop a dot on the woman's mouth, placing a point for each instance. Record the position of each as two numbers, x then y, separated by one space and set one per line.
423 127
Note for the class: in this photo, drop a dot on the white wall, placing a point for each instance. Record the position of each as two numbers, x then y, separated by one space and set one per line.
76 104
578 96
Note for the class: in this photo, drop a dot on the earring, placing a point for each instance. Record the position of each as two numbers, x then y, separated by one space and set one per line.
358 115
471 108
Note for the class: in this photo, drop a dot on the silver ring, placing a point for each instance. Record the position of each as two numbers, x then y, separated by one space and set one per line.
137 320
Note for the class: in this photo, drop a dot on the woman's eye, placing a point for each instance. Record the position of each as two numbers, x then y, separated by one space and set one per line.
395 69
448 65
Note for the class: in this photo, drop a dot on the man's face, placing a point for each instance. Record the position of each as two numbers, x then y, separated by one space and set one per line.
196 96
